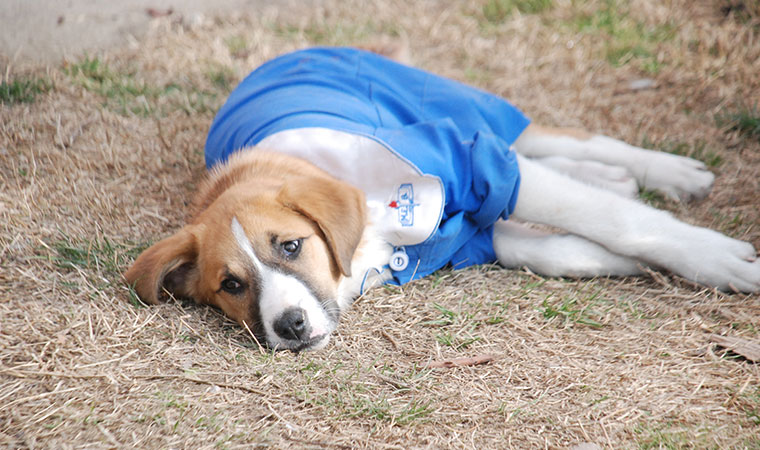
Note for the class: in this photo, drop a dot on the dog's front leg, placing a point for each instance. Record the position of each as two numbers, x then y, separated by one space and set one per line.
630 228
676 176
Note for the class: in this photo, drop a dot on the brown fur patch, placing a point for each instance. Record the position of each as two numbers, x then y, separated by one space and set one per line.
276 198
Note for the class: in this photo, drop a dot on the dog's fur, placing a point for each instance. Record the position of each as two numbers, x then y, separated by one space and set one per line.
283 247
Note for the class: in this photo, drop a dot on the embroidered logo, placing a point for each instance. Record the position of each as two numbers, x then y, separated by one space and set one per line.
404 203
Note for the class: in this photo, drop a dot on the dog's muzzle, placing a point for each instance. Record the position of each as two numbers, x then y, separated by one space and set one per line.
294 328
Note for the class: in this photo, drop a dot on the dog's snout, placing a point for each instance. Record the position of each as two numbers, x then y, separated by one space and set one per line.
293 325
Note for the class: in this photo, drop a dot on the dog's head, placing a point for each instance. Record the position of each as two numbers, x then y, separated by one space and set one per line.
270 253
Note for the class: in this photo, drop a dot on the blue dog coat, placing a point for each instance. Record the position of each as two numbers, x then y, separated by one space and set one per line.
438 172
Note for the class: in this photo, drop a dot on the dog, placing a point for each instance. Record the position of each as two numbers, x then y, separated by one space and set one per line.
333 170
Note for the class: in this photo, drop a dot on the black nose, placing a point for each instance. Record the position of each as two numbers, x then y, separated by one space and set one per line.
293 325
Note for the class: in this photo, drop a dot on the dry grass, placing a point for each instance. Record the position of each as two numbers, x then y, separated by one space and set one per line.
101 162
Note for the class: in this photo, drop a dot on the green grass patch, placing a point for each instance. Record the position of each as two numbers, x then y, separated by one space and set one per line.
122 89
381 409
211 424
455 341
342 391
497 11
751 405
347 404
573 310
456 328
734 224
447 316
742 119
347 33
221 77
655 199
170 411
126 94
22 90
626 40
636 311
336 34
670 436
237 46
477 76
101 257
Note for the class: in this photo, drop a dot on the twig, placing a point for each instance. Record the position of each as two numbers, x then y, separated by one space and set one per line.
657 277
395 383
109 436
390 339
24 374
315 443
39 396
458 362
166 145
200 381
261 349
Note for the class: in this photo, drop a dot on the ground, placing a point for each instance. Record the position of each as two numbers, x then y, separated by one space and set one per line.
99 155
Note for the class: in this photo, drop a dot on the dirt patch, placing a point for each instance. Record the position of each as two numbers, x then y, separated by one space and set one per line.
47 31
101 156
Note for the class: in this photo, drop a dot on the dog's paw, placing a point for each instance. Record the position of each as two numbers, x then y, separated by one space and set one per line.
718 261
678 177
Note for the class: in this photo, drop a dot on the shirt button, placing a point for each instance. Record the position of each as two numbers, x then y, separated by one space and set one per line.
399 261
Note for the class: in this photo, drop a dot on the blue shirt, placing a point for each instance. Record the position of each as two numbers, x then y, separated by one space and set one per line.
444 129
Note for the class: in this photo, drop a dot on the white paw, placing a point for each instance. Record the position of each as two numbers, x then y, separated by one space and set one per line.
715 260
678 177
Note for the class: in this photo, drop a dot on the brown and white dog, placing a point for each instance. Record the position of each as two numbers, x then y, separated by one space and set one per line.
283 247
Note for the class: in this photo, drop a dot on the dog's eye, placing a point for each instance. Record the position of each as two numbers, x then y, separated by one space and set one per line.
232 286
291 248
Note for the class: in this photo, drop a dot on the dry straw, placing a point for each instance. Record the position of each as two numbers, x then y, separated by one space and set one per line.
103 161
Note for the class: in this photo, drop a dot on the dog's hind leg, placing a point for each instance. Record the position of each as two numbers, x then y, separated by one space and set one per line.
678 177
627 227
556 255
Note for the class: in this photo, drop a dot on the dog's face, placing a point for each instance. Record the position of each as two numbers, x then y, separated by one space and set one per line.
270 256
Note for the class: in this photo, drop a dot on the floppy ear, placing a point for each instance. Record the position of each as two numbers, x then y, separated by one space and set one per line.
169 263
338 209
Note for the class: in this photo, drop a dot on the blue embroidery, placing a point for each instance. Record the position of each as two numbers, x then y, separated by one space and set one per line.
406 205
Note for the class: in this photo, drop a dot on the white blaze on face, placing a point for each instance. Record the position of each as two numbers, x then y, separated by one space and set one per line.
278 292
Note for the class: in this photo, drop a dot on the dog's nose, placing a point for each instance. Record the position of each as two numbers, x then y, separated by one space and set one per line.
292 325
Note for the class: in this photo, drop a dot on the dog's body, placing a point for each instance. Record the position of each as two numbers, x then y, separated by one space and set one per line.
283 245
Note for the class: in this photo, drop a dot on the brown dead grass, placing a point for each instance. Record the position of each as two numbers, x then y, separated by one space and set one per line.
623 363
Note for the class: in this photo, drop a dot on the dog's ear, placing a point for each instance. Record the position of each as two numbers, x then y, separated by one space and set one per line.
338 209
169 263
